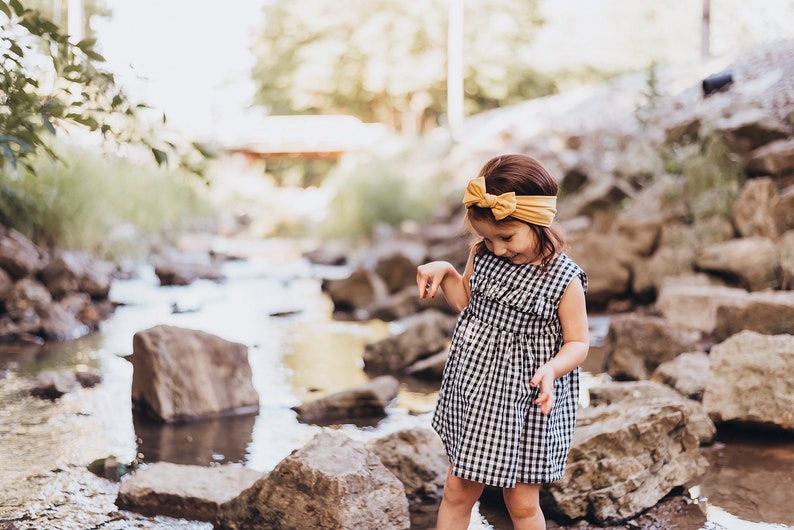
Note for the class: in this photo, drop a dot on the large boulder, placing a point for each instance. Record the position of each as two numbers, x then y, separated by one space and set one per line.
417 457
723 311
182 374
332 482
642 393
606 258
751 262
640 343
768 312
750 380
186 492
624 461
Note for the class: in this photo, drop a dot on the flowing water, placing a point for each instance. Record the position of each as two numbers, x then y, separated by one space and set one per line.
272 302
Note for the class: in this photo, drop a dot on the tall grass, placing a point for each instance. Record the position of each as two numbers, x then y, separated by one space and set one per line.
378 192
101 203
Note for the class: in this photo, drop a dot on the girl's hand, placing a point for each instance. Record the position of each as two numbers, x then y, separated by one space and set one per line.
429 277
544 378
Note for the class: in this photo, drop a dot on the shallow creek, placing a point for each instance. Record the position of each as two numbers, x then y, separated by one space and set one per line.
271 302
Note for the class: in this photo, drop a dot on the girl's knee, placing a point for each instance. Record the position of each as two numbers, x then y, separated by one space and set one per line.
523 501
460 491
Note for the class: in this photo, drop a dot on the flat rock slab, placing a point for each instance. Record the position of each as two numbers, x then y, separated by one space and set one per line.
185 492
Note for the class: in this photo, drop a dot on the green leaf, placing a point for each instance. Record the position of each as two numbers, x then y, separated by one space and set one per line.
86 45
48 27
4 9
47 123
19 9
94 56
160 156
17 49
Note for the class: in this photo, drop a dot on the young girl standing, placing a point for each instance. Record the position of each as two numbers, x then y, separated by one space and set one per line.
507 405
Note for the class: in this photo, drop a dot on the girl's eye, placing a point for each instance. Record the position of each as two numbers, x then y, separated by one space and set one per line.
506 238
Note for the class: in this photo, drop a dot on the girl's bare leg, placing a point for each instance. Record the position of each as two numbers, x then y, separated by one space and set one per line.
523 504
456 504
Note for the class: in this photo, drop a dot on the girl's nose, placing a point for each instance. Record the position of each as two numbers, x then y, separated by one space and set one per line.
499 249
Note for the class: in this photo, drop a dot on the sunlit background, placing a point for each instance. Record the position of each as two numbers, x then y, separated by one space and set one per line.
192 59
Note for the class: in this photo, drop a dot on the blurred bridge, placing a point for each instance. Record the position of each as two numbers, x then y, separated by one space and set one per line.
308 136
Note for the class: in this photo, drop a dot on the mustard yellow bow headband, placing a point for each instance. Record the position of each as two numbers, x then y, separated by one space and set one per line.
535 209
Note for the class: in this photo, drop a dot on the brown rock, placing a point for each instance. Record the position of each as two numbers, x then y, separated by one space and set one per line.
182 374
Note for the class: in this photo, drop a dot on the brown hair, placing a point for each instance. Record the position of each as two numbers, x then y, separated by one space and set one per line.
523 175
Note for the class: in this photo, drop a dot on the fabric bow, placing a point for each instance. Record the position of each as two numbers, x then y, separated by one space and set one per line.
501 205
536 209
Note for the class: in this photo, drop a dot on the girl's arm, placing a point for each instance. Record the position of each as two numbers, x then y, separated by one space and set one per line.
575 344
436 275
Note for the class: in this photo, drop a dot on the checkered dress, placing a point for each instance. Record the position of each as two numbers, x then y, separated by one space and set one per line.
486 416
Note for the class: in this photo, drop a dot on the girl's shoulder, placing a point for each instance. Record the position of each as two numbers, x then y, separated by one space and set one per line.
569 269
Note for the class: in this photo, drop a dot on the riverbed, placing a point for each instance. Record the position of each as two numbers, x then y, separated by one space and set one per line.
272 302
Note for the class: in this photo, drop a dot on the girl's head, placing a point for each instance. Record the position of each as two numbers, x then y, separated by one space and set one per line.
507 224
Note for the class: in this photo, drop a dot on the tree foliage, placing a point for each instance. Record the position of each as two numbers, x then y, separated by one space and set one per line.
386 60
48 83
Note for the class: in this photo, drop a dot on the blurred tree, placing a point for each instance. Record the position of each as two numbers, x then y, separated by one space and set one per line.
385 60
48 82
58 11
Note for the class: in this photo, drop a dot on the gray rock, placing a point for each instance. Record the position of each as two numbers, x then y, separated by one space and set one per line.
624 461
756 212
188 492
362 402
19 257
5 283
183 268
57 323
398 268
422 335
723 311
356 293
606 259
776 158
399 305
71 271
753 261
640 343
642 393
750 380
687 374
183 374
430 367
332 482
750 128
416 457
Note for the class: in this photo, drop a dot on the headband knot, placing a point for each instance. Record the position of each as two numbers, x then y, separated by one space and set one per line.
535 209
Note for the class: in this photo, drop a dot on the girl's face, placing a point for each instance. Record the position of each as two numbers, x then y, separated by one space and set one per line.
512 240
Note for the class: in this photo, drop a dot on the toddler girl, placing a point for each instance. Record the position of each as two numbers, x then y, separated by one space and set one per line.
507 405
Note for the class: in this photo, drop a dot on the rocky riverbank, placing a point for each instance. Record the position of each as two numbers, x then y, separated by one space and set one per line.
694 269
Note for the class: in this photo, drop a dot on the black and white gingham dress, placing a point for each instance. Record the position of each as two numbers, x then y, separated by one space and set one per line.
486 416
